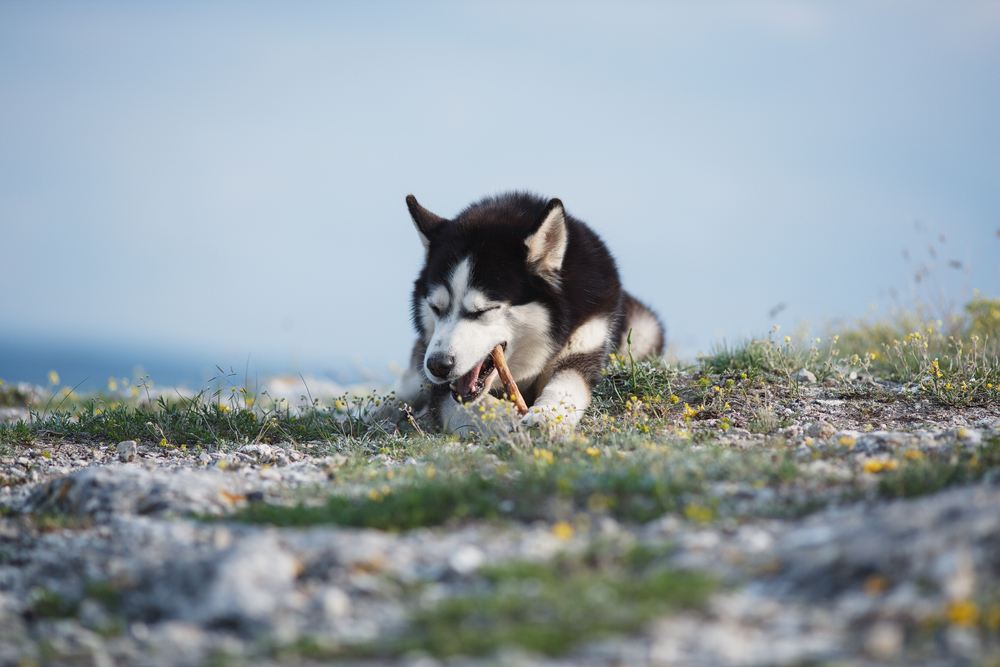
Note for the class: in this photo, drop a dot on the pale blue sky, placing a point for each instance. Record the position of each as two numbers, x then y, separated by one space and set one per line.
228 178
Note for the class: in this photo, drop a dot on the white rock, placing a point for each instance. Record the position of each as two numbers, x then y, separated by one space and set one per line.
884 640
127 450
261 452
336 604
466 559
250 582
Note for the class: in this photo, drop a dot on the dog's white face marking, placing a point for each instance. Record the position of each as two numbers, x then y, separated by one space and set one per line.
467 324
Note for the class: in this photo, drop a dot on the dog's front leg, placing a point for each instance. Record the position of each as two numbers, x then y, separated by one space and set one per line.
566 396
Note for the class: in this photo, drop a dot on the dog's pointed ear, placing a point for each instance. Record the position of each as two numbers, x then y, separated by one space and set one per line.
547 244
426 222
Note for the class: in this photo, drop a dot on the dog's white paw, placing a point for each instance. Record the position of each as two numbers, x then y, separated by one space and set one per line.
554 419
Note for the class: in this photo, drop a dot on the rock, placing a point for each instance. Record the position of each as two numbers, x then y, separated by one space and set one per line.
101 492
466 559
127 450
884 640
260 452
335 603
805 376
820 429
968 435
249 584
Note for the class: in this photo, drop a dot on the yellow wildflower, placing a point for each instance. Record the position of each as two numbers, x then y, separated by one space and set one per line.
593 452
698 513
913 455
53 378
847 440
962 612
543 455
562 530
875 466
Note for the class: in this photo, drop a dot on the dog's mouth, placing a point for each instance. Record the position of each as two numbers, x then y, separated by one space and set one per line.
470 386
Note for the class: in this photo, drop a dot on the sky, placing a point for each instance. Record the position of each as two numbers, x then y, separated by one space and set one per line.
227 179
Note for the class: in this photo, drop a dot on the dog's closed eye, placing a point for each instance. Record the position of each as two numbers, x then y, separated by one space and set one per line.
476 314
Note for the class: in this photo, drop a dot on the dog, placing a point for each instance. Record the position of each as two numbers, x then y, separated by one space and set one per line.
516 270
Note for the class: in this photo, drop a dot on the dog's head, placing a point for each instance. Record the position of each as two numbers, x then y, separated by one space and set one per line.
488 278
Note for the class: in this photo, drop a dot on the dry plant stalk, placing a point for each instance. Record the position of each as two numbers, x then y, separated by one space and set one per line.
508 380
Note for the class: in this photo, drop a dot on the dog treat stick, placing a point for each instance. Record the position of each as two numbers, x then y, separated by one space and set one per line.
508 380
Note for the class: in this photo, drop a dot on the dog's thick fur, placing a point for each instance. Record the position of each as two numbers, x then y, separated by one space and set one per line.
516 270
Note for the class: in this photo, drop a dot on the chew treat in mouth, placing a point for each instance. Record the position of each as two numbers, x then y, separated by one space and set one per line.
468 387
508 379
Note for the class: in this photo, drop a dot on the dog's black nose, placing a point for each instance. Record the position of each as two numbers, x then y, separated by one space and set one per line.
440 364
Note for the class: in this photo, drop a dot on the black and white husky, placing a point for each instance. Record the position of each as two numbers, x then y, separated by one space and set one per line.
516 270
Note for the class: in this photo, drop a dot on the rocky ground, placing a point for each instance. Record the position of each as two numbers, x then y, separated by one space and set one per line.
867 532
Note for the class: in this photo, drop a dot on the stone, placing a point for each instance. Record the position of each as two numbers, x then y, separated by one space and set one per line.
805 376
884 640
466 559
248 584
127 450
261 453
335 603
820 429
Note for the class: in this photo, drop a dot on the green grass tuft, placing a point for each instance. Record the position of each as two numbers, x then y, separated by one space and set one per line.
543 607
936 472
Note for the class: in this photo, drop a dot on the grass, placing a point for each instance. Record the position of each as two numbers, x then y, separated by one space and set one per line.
191 420
954 364
542 484
698 482
49 604
955 361
543 607
932 473
549 608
